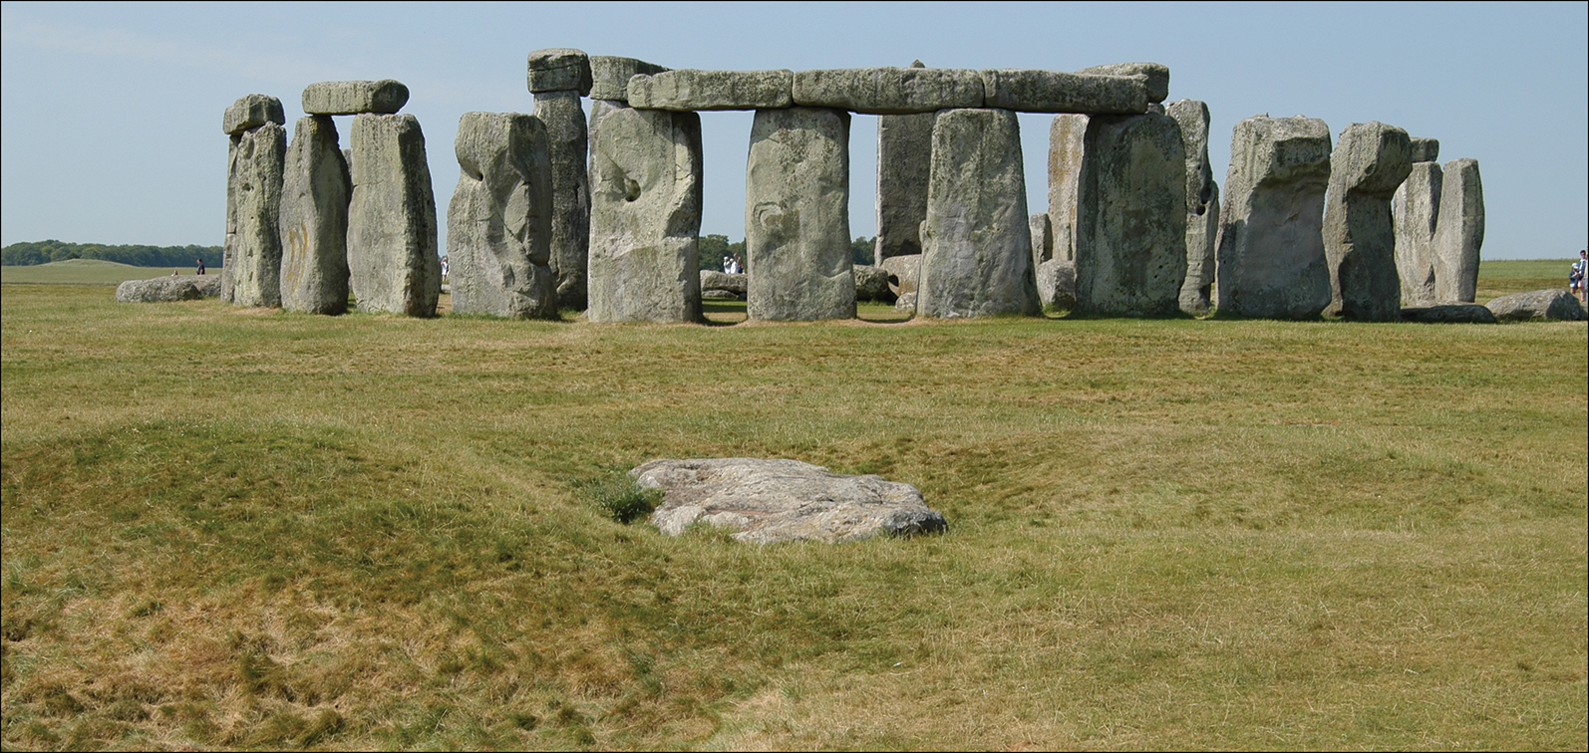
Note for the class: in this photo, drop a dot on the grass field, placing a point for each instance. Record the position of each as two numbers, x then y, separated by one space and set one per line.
228 528
86 272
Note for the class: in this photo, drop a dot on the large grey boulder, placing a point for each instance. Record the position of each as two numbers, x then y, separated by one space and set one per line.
251 274
1202 205
382 97
558 69
904 161
687 90
610 76
712 279
1537 304
499 223
1056 284
567 140
888 90
392 261
1271 259
1414 210
1449 313
165 289
1131 217
1155 77
1054 91
1369 163
797 216
871 284
1067 140
976 244
903 273
770 501
1459 232
314 220
645 214
252 111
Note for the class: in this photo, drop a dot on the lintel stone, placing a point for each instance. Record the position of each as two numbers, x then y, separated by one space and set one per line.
558 69
1030 90
610 76
382 97
686 90
888 90
1154 75
252 111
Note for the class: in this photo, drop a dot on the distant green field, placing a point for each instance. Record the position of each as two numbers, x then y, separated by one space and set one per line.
86 272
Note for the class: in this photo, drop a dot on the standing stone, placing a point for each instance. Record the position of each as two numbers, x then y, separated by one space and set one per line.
251 272
904 160
1369 163
1459 232
499 224
1414 210
1202 205
1066 141
1271 259
1042 238
392 256
314 220
1131 217
977 246
567 141
1056 284
645 214
797 217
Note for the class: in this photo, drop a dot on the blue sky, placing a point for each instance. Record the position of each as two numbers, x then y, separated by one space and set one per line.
112 112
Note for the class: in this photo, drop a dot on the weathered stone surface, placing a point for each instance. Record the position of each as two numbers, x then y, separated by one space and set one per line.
251 275
1459 232
567 139
1131 217
645 215
1414 210
314 220
1202 206
768 501
166 289
1369 163
382 97
252 111
976 244
1449 313
797 216
392 257
888 90
558 69
1538 304
1067 138
903 272
904 161
1271 259
1056 284
1425 150
1055 91
906 302
712 279
717 294
687 90
1042 238
499 223
1154 76
871 284
610 76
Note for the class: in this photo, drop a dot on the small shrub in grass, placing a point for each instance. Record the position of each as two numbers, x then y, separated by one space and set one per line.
618 497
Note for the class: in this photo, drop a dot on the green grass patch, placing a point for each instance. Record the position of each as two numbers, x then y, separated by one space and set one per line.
86 272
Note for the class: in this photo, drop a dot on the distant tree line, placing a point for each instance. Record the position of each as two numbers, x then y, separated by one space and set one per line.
44 252
712 248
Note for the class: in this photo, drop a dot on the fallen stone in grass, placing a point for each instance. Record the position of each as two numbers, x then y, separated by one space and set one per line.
766 501
871 284
165 289
1538 304
712 279
1448 313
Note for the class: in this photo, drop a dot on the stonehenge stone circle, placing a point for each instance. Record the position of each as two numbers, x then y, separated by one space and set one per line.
797 219
610 76
252 111
1131 217
645 190
1154 76
1558 304
1459 232
1054 91
382 97
558 70
1369 163
888 91
314 220
499 223
392 261
251 273
567 140
1066 144
1414 210
976 243
1202 205
689 90
1270 261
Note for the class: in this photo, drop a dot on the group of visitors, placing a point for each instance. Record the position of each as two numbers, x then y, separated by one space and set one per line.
732 265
